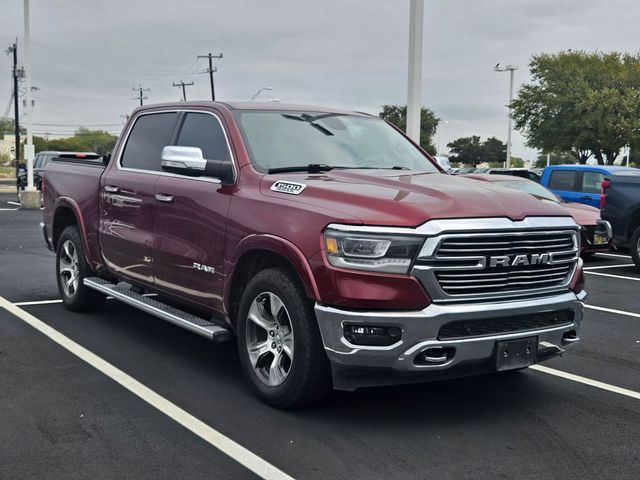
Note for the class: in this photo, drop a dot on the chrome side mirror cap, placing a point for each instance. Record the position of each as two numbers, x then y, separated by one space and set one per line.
183 159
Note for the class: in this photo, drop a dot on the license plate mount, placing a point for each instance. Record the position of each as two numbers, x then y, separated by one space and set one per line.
514 354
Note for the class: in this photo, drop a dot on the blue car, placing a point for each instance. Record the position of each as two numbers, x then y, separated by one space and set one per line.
579 183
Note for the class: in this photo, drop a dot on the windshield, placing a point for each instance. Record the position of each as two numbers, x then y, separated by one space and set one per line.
531 187
278 140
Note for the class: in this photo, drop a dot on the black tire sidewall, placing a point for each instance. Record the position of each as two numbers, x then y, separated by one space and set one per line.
84 297
308 380
634 246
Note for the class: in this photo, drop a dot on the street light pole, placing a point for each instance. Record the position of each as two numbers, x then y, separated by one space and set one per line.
29 151
414 83
511 69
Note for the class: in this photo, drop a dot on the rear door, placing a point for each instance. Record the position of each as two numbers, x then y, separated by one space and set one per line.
127 198
564 182
590 187
191 218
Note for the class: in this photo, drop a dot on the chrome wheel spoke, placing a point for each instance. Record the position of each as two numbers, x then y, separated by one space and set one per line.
65 266
276 373
275 305
257 317
287 345
257 351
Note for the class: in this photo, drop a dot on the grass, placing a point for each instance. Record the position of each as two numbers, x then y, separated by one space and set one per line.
7 172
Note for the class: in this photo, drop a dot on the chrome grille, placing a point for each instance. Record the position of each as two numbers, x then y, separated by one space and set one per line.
498 264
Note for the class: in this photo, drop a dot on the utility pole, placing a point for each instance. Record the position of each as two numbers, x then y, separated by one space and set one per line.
510 69
16 113
184 92
414 84
210 71
140 91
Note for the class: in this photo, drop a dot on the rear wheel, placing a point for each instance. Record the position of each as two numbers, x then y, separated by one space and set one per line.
71 270
634 247
280 347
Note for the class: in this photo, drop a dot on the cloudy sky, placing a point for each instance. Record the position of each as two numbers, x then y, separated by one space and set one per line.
88 54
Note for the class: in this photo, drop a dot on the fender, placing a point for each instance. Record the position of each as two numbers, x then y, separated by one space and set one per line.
71 204
276 245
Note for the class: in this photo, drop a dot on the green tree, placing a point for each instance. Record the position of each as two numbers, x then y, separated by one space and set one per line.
7 126
472 151
581 103
554 159
397 115
83 140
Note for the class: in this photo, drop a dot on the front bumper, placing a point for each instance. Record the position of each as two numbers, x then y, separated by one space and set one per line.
355 366
603 229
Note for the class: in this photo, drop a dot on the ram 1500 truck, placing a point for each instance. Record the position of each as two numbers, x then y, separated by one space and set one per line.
331 246
620 205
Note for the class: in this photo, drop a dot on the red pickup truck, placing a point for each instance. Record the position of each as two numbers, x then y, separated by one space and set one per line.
331 246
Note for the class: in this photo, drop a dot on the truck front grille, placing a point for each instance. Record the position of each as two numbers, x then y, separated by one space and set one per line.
497 326
499 264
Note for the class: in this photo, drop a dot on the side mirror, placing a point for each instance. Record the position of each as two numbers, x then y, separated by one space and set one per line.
222 169
184 160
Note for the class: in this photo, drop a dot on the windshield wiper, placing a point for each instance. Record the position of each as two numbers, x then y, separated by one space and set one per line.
310 168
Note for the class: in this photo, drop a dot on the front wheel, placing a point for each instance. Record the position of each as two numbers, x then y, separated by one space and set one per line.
71 270
634 247
280 347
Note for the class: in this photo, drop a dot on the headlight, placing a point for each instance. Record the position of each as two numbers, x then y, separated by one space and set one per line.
380 253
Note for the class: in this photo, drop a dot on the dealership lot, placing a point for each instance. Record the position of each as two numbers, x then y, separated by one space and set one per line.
64 418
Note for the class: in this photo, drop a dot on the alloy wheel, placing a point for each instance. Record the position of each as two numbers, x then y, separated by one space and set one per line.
69 268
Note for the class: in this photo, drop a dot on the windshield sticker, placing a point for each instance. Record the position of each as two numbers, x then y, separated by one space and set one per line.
292 188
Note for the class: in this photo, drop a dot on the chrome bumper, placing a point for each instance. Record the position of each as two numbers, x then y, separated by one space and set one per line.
356 366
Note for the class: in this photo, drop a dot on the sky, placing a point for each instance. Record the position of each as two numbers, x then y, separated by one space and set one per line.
88 55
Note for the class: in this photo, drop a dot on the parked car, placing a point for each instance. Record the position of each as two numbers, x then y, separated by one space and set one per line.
579 183
464 170
596 233
334 249
620 204
40 161
516 172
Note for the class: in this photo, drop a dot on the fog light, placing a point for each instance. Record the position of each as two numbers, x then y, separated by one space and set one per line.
372 335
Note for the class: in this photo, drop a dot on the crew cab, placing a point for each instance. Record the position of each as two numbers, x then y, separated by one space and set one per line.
332 247
578 183
620 204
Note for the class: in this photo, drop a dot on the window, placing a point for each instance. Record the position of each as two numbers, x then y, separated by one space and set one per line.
36 161
562 180
592 182
150 134
283 139
203 131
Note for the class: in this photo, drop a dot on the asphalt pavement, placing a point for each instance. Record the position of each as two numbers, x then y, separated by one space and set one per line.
62 418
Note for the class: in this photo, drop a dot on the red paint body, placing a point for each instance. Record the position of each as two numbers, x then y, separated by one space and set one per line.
130 237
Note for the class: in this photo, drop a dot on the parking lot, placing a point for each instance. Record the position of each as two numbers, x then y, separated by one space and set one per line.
155 401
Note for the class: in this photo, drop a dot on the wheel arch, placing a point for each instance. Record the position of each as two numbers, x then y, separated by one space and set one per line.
256 253
67 214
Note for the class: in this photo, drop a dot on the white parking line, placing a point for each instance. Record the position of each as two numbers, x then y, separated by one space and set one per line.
612 310
623 277
587 381
613 255
601 267
17 204
240 454
8 209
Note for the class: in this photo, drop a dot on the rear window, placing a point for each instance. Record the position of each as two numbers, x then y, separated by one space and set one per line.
562 180
592 182
150 134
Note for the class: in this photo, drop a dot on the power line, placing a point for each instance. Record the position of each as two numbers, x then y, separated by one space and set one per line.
210 71
184 91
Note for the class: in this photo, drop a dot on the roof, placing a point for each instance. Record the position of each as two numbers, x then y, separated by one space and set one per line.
609 168
277 106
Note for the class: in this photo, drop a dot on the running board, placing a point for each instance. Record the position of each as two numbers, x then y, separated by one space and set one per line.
166 312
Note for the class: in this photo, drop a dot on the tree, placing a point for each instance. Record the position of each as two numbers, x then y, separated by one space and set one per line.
517 162
554 159
581 103
83 140
397 115
471 151
8 126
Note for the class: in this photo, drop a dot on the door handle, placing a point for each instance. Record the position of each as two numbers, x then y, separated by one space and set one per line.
111 189
161 197
585 197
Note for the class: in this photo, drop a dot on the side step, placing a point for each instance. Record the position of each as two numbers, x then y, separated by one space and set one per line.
152 306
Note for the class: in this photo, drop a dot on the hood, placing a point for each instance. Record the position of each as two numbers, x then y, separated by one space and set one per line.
396 198
583 214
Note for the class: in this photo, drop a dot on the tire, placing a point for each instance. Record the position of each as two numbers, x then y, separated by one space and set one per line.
634 247
282 356
71 270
